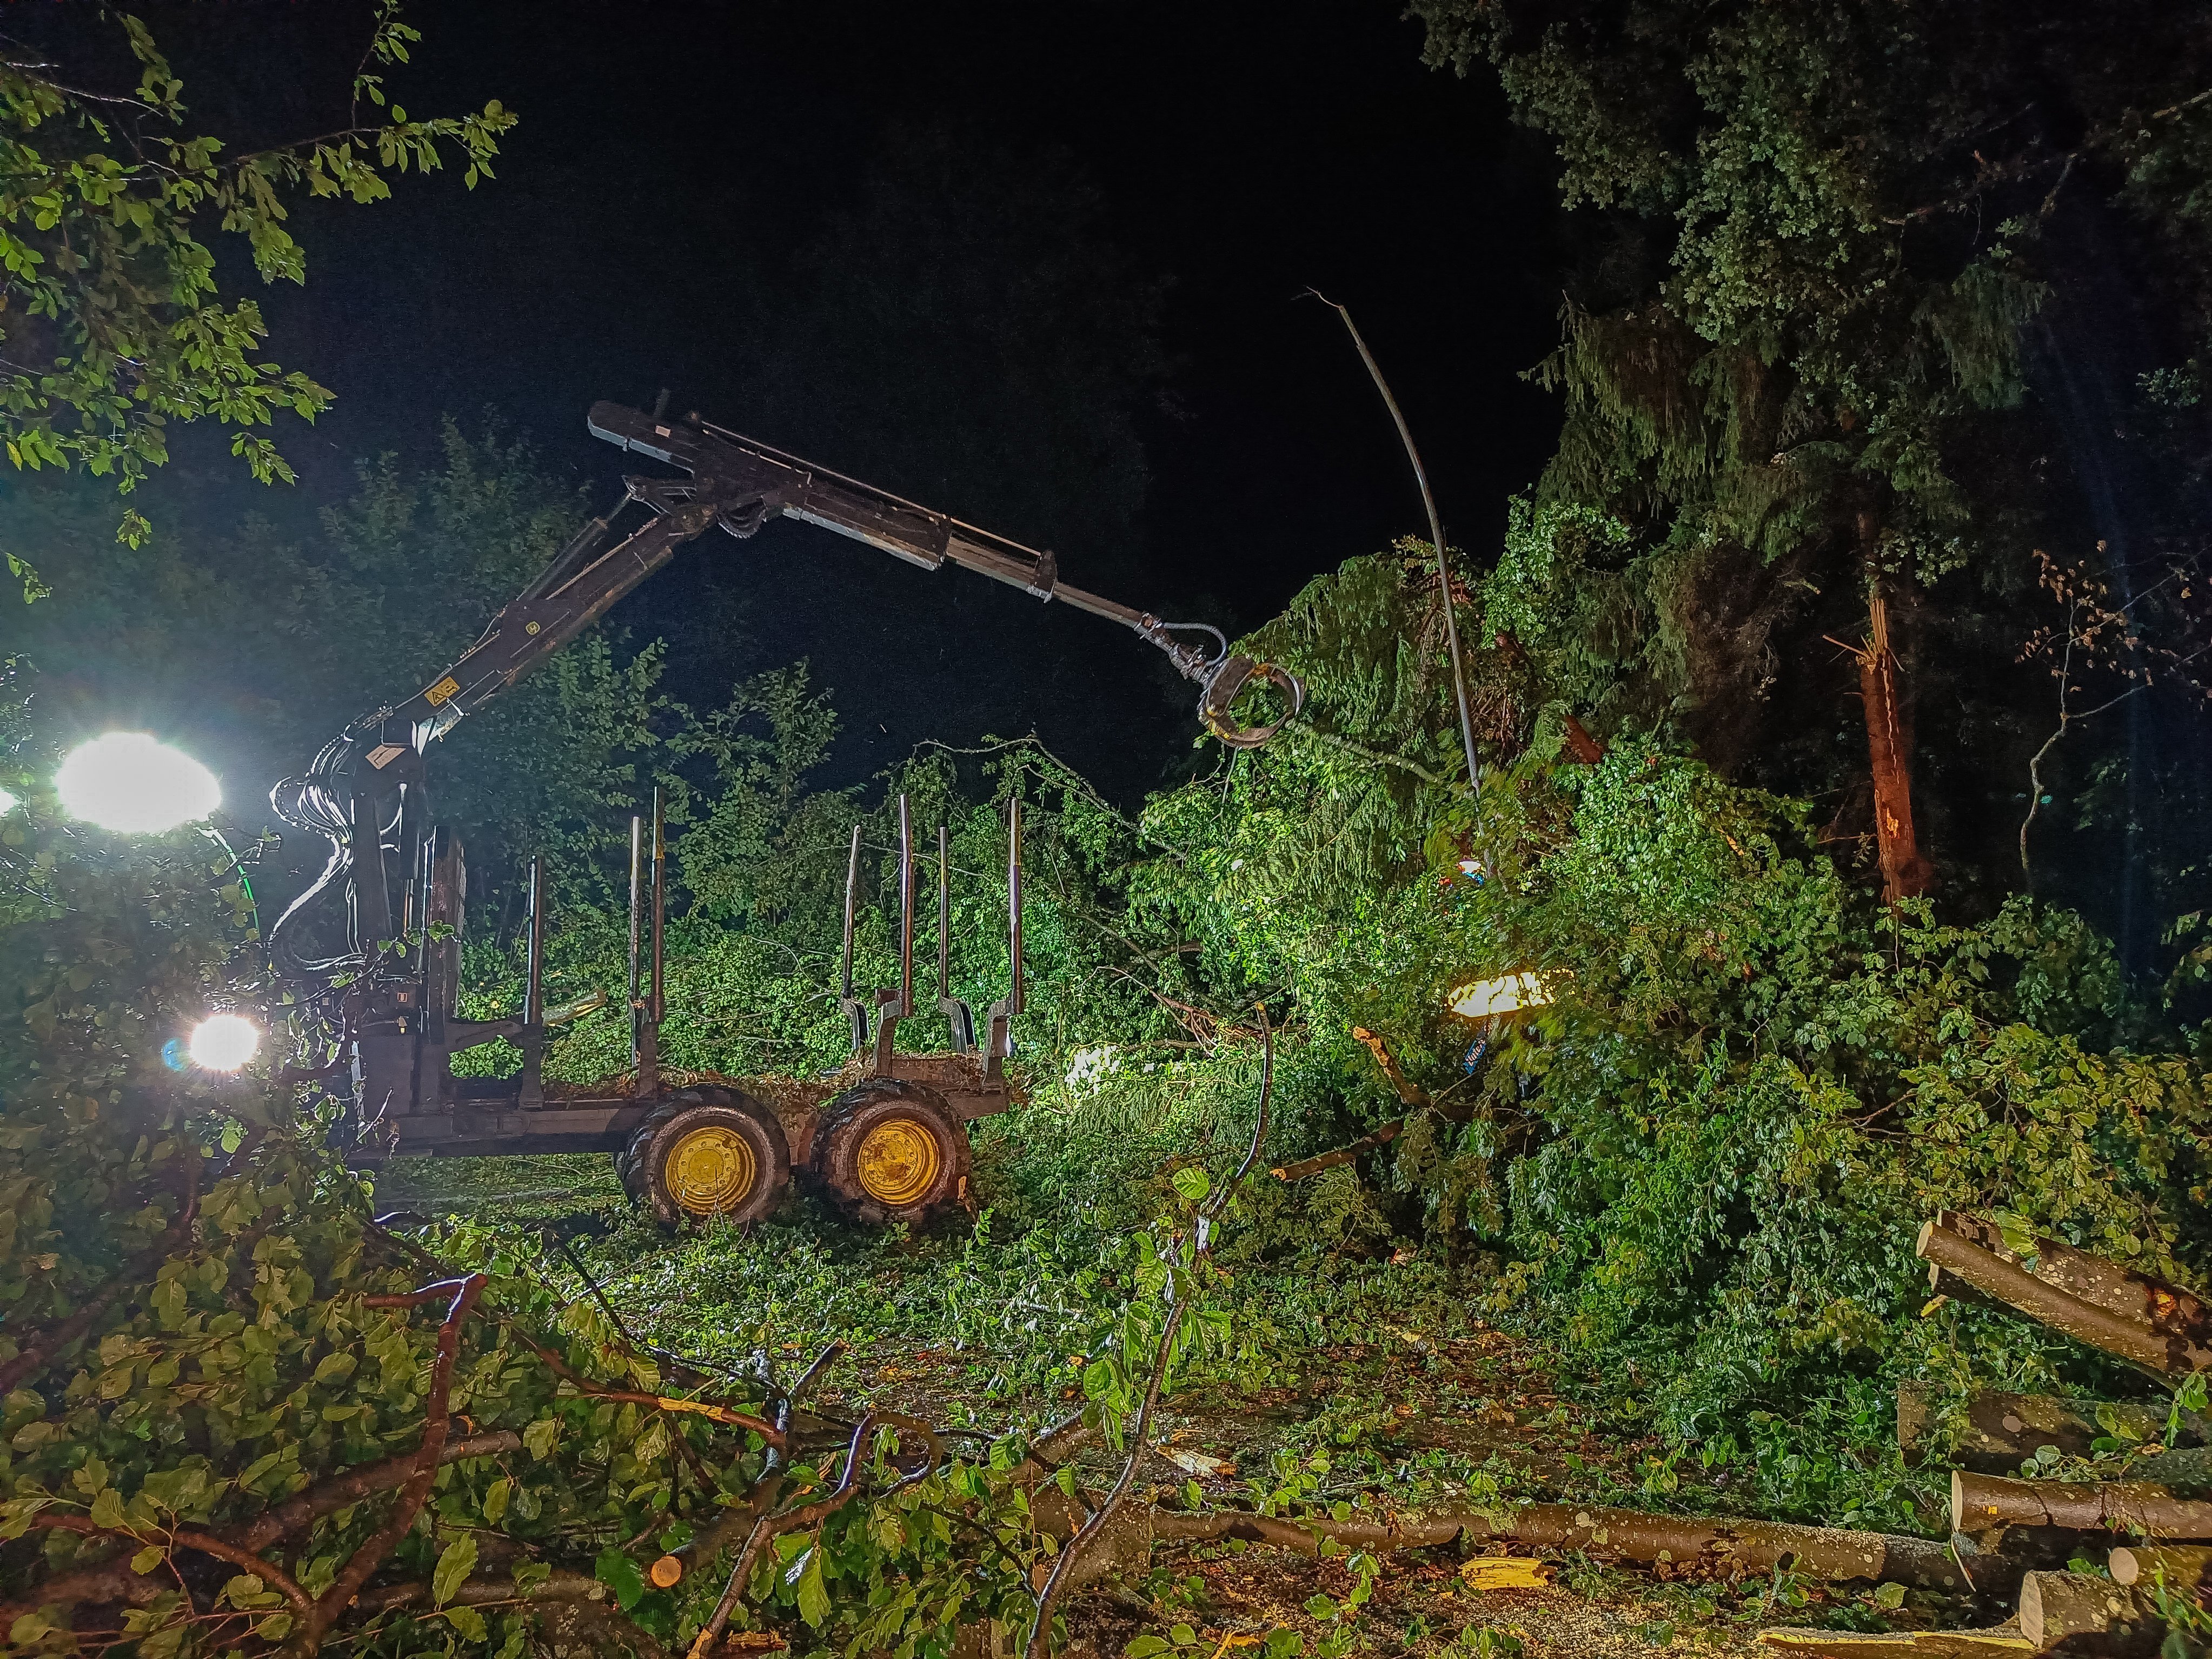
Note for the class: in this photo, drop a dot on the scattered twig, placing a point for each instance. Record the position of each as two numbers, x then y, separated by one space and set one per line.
379 1544
1071 1556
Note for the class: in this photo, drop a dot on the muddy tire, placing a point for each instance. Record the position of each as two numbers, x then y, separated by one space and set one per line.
889 1150
706 1153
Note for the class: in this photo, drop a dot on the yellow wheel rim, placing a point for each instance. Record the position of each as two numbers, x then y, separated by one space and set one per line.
711 1169
898 1162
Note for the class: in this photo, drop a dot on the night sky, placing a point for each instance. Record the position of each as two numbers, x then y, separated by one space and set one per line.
668 152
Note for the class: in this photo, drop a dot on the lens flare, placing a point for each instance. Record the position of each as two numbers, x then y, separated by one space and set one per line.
8 802
127 782
224 1042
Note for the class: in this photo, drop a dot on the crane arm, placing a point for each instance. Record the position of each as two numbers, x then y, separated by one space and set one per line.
364 791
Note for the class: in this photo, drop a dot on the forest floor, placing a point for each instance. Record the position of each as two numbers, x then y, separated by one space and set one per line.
1399 1398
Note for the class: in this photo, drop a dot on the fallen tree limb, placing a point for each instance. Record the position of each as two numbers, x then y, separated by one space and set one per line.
1724 1543
1998 1640
1410 1092
1982 1502
2001 1429
2183 1566
114 1581
2082 1611
1067 1566
1319 1161
483 1592
2117 1289
437 1422
2161 1326
1948 1252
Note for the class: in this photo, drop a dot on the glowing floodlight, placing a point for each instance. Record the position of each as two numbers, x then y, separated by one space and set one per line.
127 782
8 802
1506 995
224 1042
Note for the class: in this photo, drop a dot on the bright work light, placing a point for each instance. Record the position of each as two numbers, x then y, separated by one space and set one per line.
127 782
1505 994
224 1042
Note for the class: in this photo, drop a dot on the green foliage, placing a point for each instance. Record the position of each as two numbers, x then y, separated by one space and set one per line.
117 327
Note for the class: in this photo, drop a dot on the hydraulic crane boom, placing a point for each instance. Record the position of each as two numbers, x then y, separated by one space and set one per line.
364 791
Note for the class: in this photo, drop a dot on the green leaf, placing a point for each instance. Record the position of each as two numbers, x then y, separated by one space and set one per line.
108 1509
458 1561
1144 1647
1193 1183
468 1622
494 1499
620 1574
813 1594
1321 1606
1097 1379
28 1628
538 1439
147 1559
1890 1596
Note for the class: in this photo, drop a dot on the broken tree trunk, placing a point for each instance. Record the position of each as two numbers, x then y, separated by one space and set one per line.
1905 871
1984 1503
2084 1612
2182 1566
2168 1340
2002 1431
1723 1543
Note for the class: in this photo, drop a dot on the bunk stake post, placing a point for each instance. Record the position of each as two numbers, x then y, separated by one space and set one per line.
533 1035
660 909
892 1007
957 1014
648 994
1001 1042
855 1010
1014 908
637 916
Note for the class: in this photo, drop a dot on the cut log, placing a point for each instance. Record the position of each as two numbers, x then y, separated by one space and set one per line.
2184 1566
2013 1286
2145 1321
2111 1287
2083 1612
1723 1545
1984 1503
2002 1431
2003 1640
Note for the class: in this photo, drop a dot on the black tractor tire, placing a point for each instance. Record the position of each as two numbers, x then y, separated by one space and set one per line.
889 1150
705 1152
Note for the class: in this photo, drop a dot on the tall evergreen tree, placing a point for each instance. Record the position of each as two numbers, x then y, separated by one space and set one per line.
1862 293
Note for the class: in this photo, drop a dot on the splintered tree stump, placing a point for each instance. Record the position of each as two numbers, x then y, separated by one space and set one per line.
2182 1566
1981 1503
2002 1431
2082 1612
2159 1327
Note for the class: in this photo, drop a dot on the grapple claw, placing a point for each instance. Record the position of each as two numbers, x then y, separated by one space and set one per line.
1229 679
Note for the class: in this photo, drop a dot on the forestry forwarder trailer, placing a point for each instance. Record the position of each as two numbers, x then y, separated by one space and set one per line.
893 1145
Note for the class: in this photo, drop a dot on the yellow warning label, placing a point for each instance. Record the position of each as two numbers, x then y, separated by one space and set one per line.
443 689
